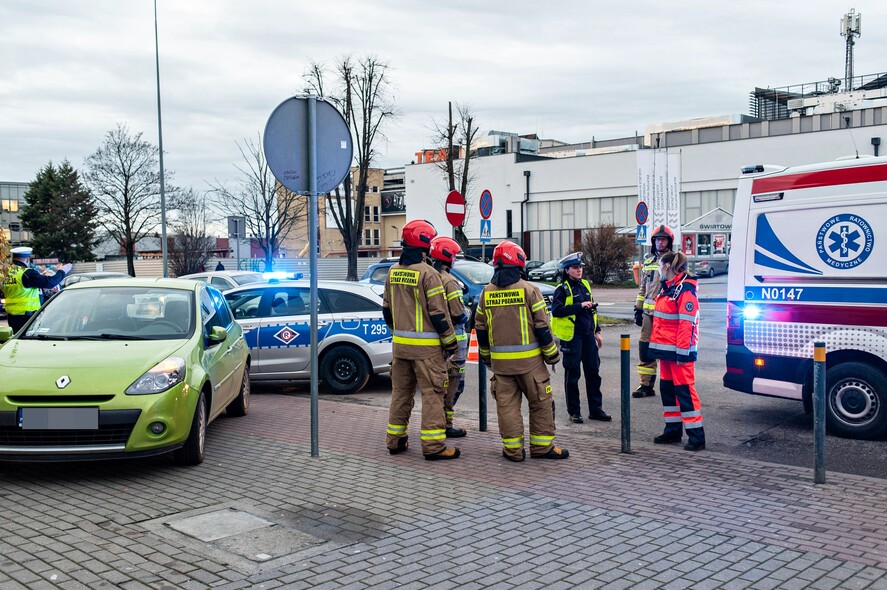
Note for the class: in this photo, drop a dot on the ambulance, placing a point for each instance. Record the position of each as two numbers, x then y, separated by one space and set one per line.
809 263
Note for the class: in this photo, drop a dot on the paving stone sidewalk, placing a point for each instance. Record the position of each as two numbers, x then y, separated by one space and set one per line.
357 517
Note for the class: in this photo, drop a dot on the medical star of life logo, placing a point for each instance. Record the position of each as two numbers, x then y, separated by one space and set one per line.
286 335
845 241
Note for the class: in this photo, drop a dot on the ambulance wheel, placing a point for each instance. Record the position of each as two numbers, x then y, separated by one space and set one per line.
344 369
856 401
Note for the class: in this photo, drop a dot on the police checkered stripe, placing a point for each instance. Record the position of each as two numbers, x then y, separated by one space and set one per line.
397 429
540 440
436 434
513 443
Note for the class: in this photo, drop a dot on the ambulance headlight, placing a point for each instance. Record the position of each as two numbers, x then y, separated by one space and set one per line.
751 312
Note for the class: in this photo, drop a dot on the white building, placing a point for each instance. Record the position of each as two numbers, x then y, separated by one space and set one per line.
544 201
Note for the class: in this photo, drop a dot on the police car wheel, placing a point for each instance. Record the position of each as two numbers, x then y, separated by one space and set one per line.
344 369
856 401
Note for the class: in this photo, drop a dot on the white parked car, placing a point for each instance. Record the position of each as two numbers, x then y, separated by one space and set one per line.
223 280
354 341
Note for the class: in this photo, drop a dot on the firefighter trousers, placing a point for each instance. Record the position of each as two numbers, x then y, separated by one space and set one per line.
581 353
431 376
680 404
647 365
508 391
456 374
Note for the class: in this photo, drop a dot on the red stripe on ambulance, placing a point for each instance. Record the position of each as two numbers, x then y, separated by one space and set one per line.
839 176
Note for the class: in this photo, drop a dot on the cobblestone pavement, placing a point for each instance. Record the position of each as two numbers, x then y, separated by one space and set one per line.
262 513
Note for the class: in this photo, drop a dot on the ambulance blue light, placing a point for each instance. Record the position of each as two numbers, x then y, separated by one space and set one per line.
751 312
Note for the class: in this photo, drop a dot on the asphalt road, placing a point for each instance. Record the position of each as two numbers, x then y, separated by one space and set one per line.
753 427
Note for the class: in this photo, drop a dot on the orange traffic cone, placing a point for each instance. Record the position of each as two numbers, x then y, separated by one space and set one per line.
472 347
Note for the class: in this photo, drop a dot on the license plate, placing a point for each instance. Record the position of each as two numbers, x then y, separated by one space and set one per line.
58 418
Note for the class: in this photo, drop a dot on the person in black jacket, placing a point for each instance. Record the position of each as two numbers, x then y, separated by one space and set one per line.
575 324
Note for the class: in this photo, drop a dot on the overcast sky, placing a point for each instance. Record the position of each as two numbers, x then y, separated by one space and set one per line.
71 70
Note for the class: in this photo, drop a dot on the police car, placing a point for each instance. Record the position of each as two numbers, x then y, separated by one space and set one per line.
354 341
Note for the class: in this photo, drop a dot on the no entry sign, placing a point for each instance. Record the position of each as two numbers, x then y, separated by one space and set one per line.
455 208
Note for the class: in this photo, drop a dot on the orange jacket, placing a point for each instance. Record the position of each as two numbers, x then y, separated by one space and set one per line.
675 321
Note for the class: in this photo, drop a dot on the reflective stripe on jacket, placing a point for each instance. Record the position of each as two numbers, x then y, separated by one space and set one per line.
509 317
564 327
19 299
415 297
675 321
650 284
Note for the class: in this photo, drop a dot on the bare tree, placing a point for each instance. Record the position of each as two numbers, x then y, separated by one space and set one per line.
456 166
362 93
270 209
606 253
124 179
189 244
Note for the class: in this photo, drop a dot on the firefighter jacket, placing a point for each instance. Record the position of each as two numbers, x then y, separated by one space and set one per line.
568 316
459 316
415 308
675 321
650 284
512 327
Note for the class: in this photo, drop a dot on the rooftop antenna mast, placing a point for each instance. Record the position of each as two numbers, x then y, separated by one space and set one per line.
851 27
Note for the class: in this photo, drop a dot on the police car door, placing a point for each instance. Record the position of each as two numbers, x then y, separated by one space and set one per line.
246 307
285 333
357 319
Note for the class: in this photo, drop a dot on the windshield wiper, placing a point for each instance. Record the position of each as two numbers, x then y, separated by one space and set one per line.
106 336
46 337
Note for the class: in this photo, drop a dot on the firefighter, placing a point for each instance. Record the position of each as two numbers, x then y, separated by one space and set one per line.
514 338
22 287
574 322
661 242
673 342
415 309
443 254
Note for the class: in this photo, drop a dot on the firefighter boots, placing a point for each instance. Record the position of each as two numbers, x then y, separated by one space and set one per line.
455 432
668 438
402 445
553 453
523 455
643 391
446 453
694 446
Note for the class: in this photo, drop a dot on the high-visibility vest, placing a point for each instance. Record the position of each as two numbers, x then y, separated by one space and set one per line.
564 327
19 300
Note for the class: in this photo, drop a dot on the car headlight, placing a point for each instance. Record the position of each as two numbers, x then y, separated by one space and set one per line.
162 376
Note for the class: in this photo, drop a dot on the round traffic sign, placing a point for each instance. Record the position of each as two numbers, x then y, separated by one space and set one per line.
286 145
641 212
455 208
486 204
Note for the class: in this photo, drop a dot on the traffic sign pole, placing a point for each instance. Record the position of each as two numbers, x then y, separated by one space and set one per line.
312 265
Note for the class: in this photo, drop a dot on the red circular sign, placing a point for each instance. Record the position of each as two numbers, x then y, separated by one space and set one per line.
455 208
641 212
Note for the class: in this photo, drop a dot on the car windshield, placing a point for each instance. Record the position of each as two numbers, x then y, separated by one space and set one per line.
246 279
476 272
115 313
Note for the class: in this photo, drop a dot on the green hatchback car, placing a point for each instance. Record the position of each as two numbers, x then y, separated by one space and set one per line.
121 368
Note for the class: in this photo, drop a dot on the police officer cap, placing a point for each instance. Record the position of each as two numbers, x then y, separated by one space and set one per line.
572 260
21 252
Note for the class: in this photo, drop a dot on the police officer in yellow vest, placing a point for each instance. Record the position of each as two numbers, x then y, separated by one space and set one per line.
574 322
22 287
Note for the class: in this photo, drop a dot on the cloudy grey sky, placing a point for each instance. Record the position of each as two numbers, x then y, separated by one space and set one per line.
70 70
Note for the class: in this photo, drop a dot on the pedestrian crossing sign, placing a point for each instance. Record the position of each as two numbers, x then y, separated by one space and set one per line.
641 234
485 230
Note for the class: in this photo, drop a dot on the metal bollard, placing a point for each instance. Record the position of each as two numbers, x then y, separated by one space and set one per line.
819 412
482 394
625 344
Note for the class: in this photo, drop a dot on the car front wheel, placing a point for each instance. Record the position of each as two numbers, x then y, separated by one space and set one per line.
193 451
856 400
344 370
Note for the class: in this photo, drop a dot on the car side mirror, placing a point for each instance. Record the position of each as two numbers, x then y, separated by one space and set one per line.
5 334
217 334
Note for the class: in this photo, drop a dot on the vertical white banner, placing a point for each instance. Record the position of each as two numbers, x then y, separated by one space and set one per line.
673 193
645 181
659 210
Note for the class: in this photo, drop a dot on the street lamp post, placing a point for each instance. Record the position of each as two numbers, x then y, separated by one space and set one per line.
160 145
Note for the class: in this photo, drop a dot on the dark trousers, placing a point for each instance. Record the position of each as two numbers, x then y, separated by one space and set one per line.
17 321
582 352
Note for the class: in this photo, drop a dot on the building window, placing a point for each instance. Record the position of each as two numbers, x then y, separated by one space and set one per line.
10 205
508 223
371 213
15 226
372 237
375 189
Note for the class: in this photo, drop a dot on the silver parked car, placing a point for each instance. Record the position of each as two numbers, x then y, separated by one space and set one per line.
354 341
